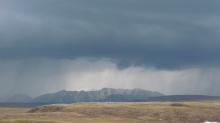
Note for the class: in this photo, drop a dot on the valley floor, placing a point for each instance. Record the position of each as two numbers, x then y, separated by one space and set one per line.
147 112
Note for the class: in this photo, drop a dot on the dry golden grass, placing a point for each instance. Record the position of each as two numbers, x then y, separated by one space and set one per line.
147 112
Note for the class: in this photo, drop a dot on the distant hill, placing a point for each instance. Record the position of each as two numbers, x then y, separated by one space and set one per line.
126 98
183 98
19 98
93 96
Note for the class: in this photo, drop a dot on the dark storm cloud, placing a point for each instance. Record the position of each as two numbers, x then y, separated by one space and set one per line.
160 33
50 45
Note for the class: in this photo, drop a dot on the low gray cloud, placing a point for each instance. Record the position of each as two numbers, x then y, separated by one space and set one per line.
160 33
35 77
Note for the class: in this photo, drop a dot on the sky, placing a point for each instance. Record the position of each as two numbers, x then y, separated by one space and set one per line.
169 46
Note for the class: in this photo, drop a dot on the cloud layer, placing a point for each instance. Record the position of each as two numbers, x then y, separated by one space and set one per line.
166 34
169 46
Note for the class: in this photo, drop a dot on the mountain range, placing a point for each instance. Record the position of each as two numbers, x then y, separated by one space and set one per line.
104 95
94 96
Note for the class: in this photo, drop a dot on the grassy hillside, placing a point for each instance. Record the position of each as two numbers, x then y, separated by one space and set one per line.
149 112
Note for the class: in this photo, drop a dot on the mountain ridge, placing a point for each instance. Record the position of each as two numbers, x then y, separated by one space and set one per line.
93 96
105 95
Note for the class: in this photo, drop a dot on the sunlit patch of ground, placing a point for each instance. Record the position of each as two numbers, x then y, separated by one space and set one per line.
210 122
